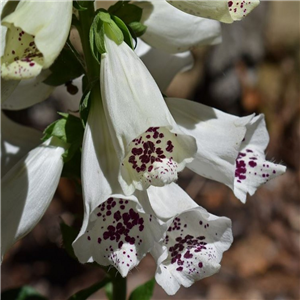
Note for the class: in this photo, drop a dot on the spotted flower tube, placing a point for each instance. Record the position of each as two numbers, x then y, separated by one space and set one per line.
233 151
150 147
116 229
226 11
190 31
36 33
27 190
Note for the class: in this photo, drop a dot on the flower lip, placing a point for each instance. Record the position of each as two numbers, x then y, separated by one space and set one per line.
119 233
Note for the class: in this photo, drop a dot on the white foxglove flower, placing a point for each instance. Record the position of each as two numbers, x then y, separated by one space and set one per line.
195 239
28 92
116 230
230 149
150 147
36 33
189 32
16 141
225 11
27 190
163 66
251 167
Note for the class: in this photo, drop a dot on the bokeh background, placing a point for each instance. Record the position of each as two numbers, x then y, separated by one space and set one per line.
255 69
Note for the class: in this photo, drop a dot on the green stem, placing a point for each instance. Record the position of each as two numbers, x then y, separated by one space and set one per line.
86 18
119 287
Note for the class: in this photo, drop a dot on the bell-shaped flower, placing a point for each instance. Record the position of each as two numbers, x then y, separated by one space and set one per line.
163 66
225 11
194 242
27 190
230 149
16 141
116 230
189 32
150 147
36 33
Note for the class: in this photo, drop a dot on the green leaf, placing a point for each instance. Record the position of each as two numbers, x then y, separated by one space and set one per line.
70 130
138 28
84 294
127 12
22 293
68 236
109 291
65 68
143 292
124 29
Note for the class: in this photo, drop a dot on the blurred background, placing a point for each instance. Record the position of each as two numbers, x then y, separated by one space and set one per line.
255 69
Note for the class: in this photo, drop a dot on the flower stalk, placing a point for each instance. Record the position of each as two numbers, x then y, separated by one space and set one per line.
86 18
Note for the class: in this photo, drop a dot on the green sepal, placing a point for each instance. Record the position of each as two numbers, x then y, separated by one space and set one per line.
69 234
137 28
144 291
23 293
125 31
96 37
65 68
113 31
86 293
84 107
70 130
72 169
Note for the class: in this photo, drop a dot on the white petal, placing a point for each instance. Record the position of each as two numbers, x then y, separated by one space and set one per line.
189 31
218 137
133 105
16 141
192 249
7 88
29 92
37 32
27 190
119 233
169 201
251 168
225 11
100 165
163 66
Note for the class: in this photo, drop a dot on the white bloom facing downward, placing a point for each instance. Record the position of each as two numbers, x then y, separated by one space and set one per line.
150 147
173 31
37 32
230 149
194 242
225 11
27 190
